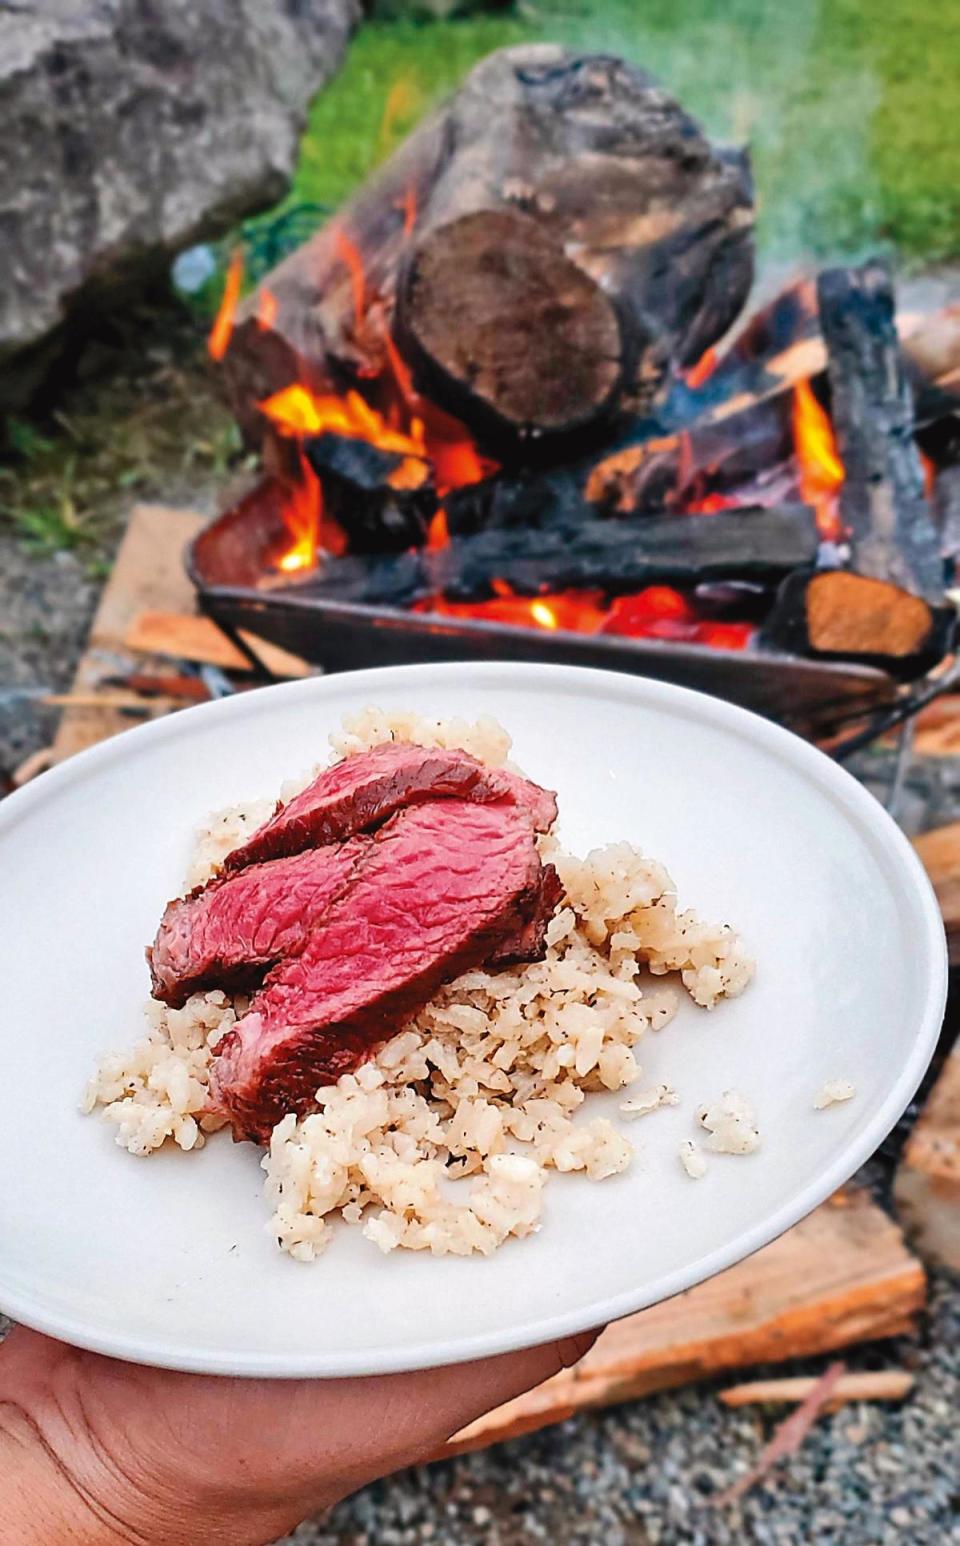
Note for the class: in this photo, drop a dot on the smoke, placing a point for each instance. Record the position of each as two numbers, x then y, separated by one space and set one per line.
788 77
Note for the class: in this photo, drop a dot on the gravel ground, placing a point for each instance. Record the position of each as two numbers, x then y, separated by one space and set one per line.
45 609
867 1476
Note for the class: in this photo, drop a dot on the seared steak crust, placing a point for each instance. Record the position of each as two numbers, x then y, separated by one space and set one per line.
363 791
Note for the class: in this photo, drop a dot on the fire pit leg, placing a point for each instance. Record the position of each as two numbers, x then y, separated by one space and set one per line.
239 642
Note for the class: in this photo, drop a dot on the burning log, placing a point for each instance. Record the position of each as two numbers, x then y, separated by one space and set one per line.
613 556
882 500
683 471
560 232
842 616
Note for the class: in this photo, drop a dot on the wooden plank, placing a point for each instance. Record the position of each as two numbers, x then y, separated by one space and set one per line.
939 852
146 614
148 574
927 1184
199 639
841 1276
874 1385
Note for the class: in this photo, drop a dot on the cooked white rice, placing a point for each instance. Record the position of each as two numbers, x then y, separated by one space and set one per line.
833 1093
486 1082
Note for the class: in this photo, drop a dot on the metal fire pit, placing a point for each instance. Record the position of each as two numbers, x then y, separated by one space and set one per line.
228 559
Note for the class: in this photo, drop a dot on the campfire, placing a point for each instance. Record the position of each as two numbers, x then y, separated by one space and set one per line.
507 405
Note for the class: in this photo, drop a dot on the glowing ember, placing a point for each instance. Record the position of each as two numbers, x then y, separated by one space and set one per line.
223 322
658 612
543 614
266 310
573 611
929 475
821 471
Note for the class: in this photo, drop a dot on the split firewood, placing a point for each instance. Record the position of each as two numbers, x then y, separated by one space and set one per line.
198 639
545 246
840 615
939 852
879 1385
882 500
927 1185
840 1276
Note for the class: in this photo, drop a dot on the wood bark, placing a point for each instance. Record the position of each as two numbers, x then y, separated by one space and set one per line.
641 229
882 501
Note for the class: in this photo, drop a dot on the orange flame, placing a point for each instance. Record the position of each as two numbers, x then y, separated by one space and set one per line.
349 255
821 472
266 310
389 414
703 370
401 103
223 322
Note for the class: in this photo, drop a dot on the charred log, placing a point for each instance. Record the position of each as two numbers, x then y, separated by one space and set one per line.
842 616
761 545
382 500
677 472
882 500
648 227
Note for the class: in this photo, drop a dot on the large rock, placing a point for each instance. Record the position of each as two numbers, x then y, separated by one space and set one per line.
131 128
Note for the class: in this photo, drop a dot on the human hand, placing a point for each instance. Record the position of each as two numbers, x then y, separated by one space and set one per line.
95 1452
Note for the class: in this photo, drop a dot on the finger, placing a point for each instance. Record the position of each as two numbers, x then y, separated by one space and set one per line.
432 1405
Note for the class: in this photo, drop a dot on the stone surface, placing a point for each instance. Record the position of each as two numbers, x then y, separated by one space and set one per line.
133 127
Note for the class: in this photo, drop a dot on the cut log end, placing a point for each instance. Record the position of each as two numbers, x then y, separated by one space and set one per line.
841 615
499 322
848 614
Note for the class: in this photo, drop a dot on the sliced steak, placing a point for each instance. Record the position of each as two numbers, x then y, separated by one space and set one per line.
444 884
530 941
228 933
363 791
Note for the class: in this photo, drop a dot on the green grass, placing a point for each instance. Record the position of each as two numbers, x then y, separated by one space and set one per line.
850 106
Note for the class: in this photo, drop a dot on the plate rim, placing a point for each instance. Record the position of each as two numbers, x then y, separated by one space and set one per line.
831 779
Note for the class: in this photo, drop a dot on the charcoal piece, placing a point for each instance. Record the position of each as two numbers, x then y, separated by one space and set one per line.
533 498
882 500
355 477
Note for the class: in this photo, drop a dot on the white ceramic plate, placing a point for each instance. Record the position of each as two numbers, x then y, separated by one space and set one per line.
166 1260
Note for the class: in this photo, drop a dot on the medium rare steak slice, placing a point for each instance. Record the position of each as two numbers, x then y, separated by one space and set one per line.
530 941
444 884
364 790
228 933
